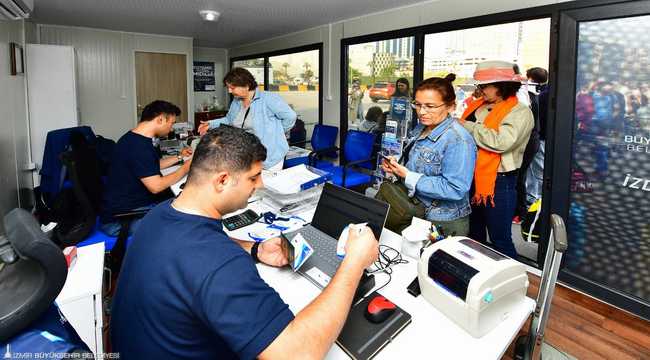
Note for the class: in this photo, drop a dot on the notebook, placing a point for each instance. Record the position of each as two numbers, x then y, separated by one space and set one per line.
361 339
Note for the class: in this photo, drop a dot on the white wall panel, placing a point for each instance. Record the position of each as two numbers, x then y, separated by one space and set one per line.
52 95
14 143
220 59
105 72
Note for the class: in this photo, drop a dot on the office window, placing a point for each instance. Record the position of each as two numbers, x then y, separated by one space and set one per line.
255 66
373 69
293 74
295 78
525 43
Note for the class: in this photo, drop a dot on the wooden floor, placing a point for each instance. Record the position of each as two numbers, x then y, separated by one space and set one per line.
588 329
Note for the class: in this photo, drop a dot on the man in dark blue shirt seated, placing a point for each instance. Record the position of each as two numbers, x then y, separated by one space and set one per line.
134 178
188 291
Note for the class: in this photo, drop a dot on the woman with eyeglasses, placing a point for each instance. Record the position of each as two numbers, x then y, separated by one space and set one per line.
501 127
438 158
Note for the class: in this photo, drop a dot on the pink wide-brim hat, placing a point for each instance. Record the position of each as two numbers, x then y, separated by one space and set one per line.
492 71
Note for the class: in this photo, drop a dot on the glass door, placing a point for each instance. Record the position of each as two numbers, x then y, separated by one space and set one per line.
604 186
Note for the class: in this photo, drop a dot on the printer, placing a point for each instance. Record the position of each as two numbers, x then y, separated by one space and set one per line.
471 284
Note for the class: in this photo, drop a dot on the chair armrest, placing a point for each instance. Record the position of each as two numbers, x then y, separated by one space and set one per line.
119 249
315 154
324 151
351 164
130 215
357 162
297 143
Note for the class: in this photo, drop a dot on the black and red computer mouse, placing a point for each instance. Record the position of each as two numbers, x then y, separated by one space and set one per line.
379 309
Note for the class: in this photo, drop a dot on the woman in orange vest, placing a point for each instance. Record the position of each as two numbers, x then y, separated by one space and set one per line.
501 127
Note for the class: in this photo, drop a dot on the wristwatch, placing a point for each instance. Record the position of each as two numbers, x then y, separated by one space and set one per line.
180 158
254 250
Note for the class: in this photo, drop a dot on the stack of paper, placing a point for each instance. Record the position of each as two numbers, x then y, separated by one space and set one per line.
288 181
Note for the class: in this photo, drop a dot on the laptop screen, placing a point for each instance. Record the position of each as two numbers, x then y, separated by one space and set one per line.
339 207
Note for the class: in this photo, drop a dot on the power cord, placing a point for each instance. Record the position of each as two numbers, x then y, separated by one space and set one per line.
388 257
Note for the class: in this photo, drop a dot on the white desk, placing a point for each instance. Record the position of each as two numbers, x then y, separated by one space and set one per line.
81 298
430 335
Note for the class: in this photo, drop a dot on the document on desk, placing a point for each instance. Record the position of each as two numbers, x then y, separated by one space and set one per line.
288 181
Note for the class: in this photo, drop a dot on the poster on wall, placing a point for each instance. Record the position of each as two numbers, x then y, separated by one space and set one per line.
204 76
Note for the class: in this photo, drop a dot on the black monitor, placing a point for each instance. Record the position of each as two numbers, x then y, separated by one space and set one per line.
339 207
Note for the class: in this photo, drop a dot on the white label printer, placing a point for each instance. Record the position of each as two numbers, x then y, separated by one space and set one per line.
471 284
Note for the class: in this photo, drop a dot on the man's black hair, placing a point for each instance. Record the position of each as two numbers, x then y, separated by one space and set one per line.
158 107
225 148
538 75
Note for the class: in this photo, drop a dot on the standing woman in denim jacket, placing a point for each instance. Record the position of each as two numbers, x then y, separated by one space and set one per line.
262 113
439 158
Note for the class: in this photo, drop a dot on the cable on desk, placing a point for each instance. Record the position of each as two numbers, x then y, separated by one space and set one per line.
388 257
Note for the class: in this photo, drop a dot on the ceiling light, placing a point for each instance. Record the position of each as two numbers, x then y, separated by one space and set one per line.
209 15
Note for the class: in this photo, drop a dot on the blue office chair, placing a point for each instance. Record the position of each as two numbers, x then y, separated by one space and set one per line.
357 153
323 137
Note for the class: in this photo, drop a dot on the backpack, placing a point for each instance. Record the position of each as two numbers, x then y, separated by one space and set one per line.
76 206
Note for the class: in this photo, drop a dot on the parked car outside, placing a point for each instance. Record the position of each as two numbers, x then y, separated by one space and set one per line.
381 91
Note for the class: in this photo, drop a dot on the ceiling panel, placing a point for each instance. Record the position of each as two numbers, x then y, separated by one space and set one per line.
241 22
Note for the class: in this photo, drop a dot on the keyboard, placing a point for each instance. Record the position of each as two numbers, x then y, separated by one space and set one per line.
324 257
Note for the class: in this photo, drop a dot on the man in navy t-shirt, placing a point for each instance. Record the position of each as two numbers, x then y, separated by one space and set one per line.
188 291
134 177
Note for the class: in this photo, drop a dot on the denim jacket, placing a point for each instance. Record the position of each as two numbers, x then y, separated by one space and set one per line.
441 168
271 117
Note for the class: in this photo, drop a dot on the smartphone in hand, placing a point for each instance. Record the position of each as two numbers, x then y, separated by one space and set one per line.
387 158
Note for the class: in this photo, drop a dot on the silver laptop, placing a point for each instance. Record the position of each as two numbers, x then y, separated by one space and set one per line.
170 144
337 207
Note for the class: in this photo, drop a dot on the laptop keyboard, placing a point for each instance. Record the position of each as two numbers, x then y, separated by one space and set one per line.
324 248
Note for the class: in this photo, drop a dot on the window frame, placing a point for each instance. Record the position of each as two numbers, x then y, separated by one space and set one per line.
289 51
555 187
420 33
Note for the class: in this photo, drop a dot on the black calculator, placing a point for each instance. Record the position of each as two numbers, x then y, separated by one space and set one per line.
240 220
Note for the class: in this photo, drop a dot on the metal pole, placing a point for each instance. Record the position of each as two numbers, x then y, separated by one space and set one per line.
557 245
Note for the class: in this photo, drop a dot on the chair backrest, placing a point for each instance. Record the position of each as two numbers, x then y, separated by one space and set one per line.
298 134
359 146
57 141
78 213
29 285
323 137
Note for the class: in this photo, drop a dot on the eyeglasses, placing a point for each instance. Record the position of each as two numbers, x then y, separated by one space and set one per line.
425 107
483 86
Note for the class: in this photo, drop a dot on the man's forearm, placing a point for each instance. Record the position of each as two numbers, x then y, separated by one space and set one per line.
168 162
171 179
313 331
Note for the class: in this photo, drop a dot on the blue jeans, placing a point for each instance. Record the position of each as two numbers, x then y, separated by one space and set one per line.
535 176
497 220
113 228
